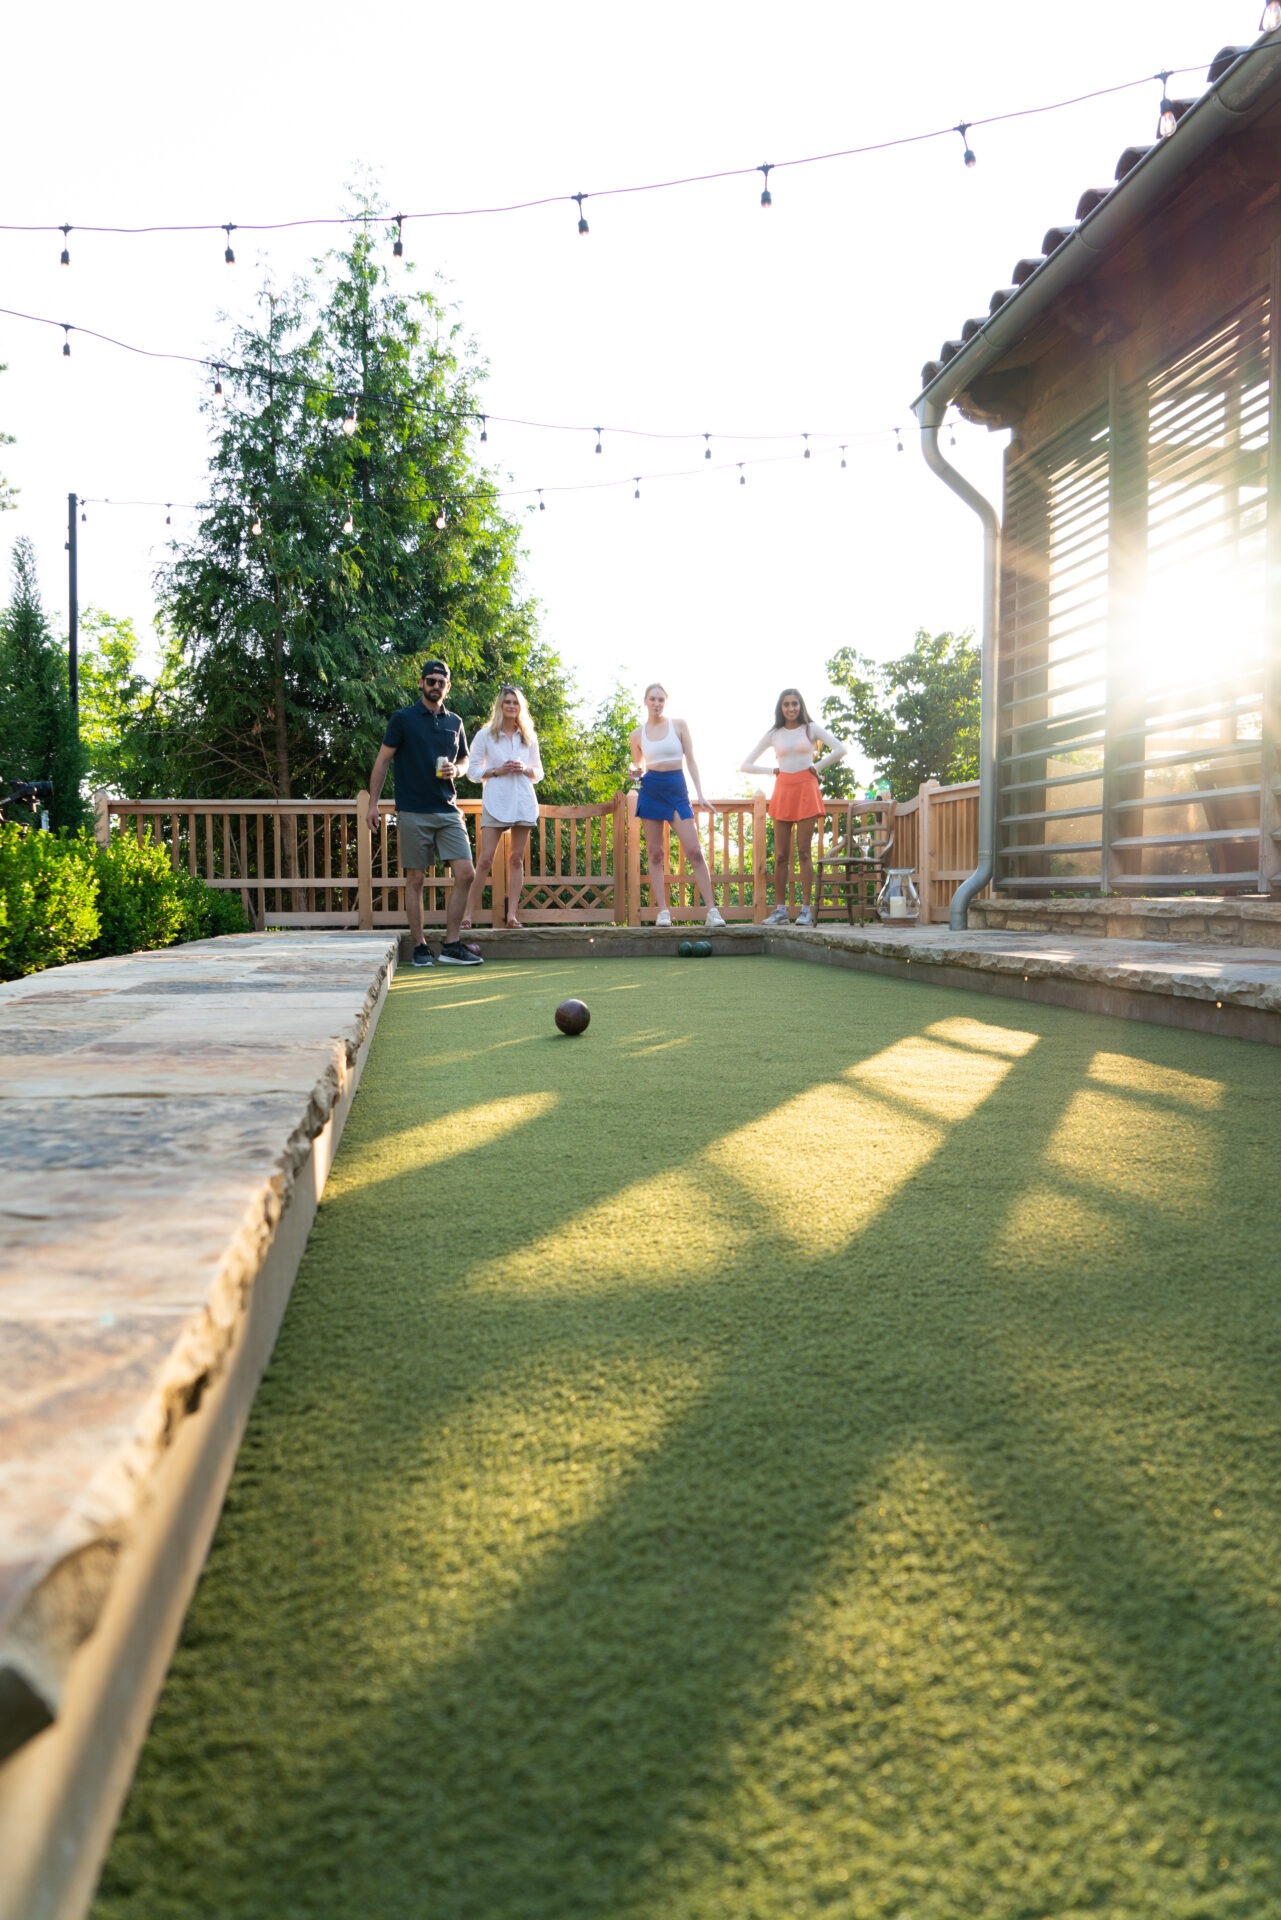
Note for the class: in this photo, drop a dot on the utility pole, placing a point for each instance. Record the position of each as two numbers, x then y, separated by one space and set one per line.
73 614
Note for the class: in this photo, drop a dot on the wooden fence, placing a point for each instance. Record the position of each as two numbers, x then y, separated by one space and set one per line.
315 863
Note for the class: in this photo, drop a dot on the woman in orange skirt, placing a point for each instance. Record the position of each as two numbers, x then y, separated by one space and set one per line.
797 799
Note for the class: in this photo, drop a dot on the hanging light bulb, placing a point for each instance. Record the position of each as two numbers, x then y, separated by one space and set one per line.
219 397
168 505
767 199
968 156
582 223
1167 122
843 456
83 516
66 342
484 426
1271 17
229 227
708 452
441 520
805 437
898 438
348 525
66 257
349 419
256 528
542 504
398 244
636 495
599 448
742 477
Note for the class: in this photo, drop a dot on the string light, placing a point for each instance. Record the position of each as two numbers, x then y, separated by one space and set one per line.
442 520
708 451
66 257
348 525
599 448
805 437
1271 17
66 344
542 504
898 438
968 156
843 461
767 198
229 227
256 527
219 397
398 244
582 222
168 506
349 419
742 477
636 495
1167 121
484 426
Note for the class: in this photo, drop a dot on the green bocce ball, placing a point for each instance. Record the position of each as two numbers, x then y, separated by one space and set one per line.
685 949
701 949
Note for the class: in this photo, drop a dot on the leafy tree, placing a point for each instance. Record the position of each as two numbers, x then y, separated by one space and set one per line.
128 722
37 727
915 718
299 639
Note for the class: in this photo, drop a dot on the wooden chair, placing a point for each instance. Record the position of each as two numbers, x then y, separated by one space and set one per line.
853 866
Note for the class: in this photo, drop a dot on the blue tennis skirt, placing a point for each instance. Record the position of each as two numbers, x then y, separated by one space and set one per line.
663 796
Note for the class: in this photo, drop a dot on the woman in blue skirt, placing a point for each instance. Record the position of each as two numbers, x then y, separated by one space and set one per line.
660 750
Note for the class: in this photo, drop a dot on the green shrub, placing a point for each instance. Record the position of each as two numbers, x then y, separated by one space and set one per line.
208 910
139 903
48 900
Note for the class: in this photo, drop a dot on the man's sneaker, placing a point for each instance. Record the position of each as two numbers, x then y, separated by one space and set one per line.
423 956
455 954
805 918
715 918
664 919
779 918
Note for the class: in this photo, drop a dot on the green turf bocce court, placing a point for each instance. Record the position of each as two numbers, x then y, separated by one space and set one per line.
808 1446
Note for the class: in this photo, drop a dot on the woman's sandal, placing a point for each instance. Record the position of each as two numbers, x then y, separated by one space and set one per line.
519 925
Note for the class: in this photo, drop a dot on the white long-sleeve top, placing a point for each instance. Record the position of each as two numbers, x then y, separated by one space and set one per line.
794 749
510 797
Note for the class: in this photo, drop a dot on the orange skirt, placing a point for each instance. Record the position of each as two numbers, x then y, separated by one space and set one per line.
796 796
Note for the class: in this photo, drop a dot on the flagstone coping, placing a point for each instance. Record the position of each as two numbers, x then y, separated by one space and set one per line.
161 1116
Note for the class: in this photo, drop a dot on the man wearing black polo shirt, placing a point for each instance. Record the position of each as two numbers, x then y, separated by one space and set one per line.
429 747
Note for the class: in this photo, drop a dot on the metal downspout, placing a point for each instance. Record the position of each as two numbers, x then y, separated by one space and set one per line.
930 414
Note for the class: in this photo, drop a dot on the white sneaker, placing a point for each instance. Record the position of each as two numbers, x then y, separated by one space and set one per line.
805 918
715 918
664 919
779 918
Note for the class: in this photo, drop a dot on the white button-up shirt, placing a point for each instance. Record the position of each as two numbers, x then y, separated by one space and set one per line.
509 797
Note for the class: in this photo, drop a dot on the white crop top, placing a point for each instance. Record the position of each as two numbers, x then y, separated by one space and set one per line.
667 750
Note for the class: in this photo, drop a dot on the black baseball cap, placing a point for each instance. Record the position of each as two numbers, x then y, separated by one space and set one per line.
433 666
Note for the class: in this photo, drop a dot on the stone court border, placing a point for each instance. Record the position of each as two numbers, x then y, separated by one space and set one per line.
167 1123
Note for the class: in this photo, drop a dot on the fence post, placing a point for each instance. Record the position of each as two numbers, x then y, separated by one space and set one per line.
925 848
759 871
498 877
633 857
618 858
102 817
364 866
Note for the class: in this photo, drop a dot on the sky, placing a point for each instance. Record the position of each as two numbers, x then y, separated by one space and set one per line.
685 311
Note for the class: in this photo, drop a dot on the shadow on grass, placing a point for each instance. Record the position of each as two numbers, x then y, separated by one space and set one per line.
584 1732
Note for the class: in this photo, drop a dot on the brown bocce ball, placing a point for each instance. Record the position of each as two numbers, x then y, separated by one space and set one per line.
572 1016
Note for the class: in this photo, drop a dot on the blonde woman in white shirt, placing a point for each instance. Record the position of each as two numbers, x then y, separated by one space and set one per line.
797 800
505 760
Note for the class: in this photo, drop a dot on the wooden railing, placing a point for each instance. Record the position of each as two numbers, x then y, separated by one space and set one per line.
315 863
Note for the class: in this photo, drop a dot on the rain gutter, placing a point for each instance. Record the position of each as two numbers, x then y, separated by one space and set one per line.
1226 108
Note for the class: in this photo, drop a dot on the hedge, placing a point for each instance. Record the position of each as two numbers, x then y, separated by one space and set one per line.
63 898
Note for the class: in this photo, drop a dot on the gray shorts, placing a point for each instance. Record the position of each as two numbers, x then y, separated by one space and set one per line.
426 839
